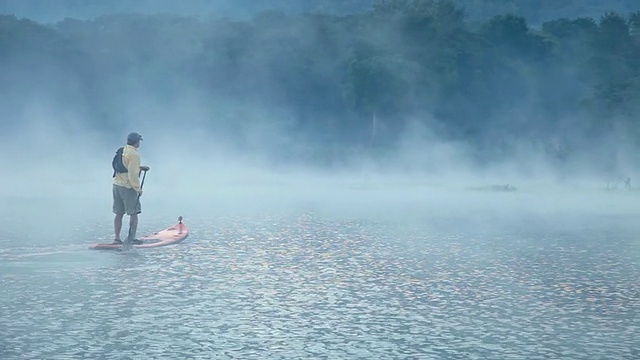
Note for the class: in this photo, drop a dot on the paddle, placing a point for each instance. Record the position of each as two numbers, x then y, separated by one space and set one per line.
129 240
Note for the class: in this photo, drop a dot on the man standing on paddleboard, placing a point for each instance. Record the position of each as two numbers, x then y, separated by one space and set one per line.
127 188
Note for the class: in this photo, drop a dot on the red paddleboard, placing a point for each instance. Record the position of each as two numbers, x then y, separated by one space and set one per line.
169 236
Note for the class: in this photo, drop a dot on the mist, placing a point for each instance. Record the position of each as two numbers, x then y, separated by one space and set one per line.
380 179
254 116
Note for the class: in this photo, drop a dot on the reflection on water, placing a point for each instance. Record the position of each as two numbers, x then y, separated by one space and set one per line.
311 287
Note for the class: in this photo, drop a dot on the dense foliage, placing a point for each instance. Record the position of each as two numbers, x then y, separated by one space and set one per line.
345 81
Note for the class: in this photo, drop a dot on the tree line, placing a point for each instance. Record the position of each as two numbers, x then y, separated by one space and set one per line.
345 81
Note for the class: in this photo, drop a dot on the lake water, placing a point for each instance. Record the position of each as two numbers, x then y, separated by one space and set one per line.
385 281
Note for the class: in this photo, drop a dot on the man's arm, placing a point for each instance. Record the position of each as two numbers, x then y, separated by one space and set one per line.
134 172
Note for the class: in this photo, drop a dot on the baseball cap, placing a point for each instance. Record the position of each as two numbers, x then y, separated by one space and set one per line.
133 137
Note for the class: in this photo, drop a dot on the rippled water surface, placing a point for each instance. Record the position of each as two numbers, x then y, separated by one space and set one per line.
304 285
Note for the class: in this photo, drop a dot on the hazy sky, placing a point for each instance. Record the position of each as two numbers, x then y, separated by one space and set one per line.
55 10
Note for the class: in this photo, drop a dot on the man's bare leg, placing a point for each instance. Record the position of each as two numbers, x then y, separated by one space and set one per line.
117 225
133 227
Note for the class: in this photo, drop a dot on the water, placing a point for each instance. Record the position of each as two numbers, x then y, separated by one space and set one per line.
320 284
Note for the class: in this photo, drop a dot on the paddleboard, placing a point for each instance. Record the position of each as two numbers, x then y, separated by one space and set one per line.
172 235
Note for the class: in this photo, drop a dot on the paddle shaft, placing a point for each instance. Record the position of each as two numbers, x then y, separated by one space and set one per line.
129 239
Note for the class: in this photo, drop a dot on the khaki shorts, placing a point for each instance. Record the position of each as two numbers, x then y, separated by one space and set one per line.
124 201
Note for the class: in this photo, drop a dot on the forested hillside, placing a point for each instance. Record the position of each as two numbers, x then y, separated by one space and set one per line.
347 81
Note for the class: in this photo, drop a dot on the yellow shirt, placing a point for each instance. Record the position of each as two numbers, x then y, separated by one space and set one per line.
131 160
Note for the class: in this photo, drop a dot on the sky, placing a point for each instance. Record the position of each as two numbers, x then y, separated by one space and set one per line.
56 10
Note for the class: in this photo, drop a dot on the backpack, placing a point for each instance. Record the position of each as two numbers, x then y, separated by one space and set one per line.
116 163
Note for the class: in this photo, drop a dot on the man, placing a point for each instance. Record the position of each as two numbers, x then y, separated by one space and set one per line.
127 189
